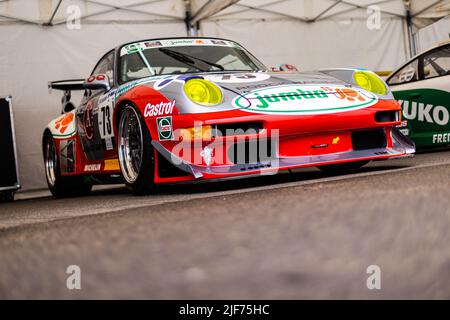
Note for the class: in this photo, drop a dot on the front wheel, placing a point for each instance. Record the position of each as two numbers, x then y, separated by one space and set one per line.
59 186
136 155
343 167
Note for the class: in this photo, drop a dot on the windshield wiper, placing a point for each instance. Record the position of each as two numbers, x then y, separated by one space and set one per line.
181 58
187 59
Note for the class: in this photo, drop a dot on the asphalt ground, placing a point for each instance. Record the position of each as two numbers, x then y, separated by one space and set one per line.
295 235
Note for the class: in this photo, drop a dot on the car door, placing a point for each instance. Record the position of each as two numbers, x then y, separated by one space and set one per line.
95 115
433 98
423 89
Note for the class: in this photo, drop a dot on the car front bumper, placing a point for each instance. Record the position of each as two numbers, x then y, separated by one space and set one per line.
399 146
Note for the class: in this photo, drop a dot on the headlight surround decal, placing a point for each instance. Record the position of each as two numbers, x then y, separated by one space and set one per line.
305 100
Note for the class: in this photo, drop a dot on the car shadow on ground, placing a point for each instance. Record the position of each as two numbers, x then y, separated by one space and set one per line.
249 182
101 193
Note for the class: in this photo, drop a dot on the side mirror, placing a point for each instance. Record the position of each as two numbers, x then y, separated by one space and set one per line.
288 68
97 82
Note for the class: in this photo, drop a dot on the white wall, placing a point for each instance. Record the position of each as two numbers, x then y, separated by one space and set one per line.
327 43
433 34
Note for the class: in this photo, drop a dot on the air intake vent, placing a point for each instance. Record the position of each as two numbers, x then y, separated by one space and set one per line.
387 116
252 152
369 139
168 170
237 129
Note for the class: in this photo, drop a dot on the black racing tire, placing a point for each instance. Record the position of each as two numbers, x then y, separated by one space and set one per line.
136 153
343 167
59 186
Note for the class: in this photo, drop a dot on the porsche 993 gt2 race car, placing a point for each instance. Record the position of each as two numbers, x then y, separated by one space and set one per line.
194 109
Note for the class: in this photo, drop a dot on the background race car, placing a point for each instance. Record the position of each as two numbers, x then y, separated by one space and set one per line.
422 86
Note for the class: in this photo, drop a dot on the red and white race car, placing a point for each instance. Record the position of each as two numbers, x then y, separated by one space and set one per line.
193 109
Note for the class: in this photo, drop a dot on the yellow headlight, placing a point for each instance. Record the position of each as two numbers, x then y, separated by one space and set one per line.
203 92
370 82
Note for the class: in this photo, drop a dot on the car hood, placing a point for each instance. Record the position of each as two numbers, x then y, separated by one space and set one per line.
243 83
266 92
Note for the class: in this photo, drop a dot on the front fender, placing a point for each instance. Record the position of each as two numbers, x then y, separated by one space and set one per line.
347 76
152 105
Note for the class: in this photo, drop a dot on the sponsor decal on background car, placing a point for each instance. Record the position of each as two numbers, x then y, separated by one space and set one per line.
441 137
413 110
407 75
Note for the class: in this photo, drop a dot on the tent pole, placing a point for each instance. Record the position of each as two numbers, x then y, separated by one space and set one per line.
191 29
411 39
49 23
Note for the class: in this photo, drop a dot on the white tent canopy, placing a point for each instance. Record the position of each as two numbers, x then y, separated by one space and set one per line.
419 13
43 40
54 12
422 12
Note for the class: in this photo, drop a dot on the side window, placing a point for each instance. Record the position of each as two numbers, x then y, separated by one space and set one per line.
408 73
437 63
106 66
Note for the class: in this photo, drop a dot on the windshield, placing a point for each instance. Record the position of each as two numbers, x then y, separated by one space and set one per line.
178 56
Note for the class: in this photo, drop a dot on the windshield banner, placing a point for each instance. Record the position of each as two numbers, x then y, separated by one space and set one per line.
144 45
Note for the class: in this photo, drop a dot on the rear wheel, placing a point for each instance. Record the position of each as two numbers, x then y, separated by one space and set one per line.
343 167
60 186
136 155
